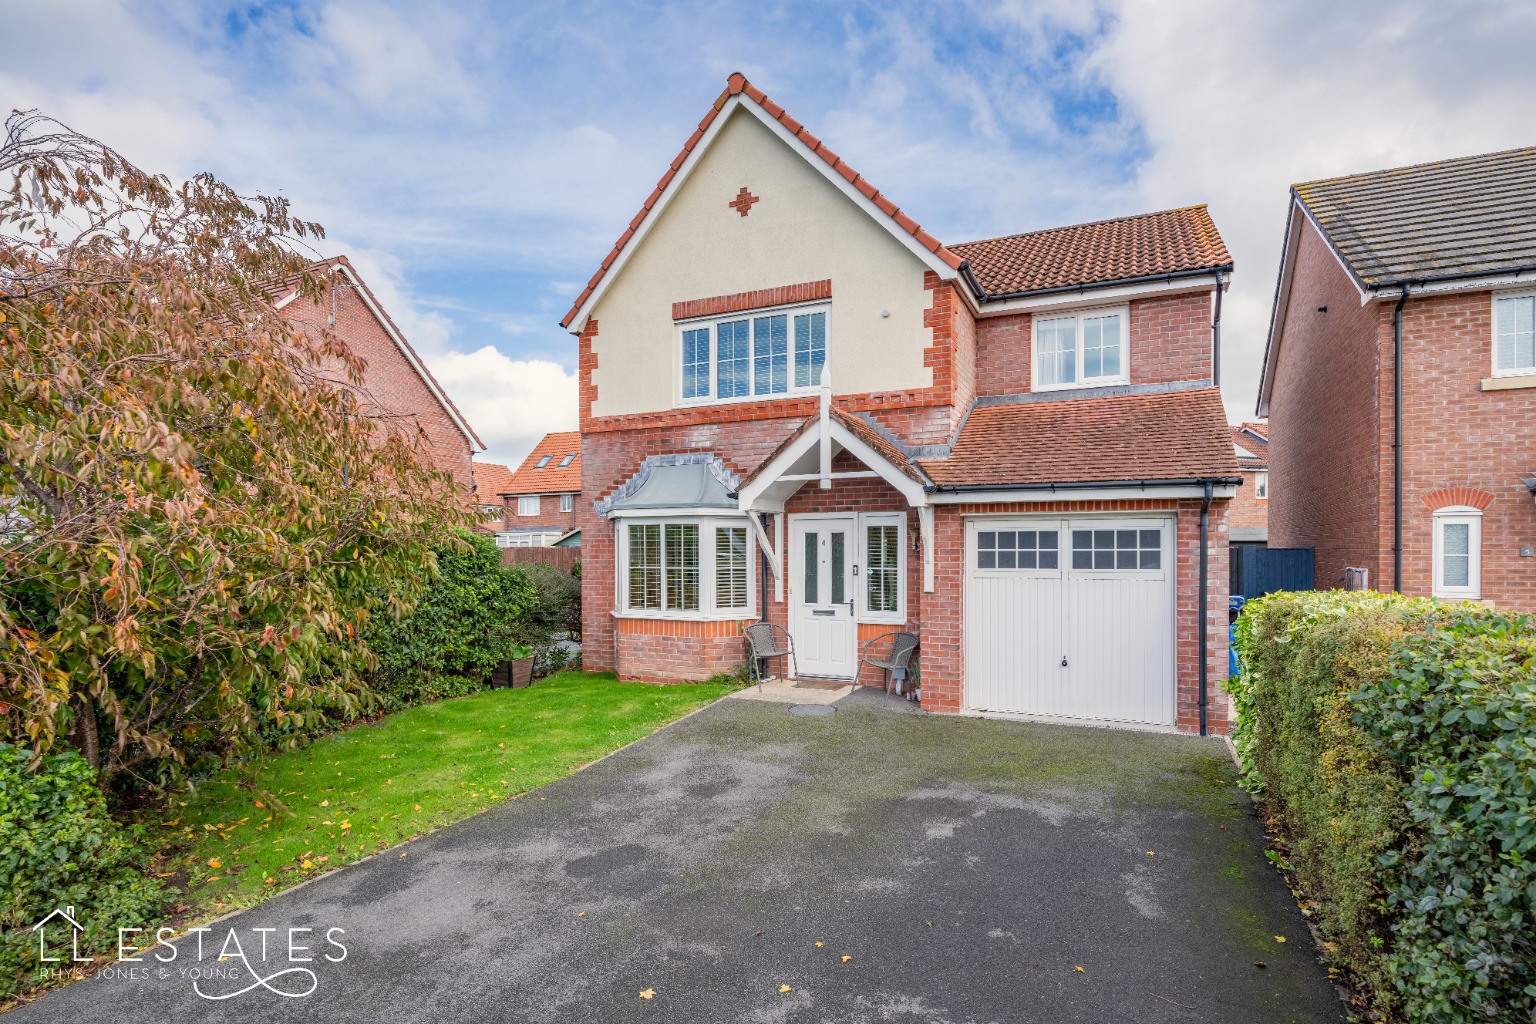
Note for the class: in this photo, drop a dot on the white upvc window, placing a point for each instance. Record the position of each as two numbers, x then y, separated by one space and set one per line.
884 549
567 502
1261 484
685 568
1082 350
528 505
1458 550
1514 334
754 355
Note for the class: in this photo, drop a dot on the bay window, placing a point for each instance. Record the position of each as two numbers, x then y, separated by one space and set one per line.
1086 349
753 355
691 568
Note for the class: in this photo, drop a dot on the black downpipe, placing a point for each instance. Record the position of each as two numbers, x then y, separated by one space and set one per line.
1216 337
1205 613
1397 442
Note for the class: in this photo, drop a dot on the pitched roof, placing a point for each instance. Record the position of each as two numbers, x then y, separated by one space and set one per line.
1178 435
736 85
1182 241
553 478
1252 447
1468 216
491 481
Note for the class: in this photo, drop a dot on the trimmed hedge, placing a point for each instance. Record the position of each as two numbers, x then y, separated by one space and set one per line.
59 848
1394 740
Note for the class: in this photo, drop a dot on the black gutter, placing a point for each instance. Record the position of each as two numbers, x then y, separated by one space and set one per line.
1216 337
1465 275
1177 275
1205 613
1085 485
1397 442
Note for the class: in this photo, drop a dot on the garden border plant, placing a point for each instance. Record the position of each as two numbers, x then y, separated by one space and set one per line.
1394 743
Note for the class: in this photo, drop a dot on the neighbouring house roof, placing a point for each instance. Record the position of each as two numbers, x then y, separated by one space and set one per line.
737 85
342 265
1251 445
552 477
1470 216
1148 245
492 480
1179 435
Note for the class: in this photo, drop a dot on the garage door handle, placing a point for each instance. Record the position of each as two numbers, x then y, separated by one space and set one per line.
1063 661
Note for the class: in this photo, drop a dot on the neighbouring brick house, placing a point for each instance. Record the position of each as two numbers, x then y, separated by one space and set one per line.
397 388
797 404
1248 519
1399 379
539 500
492 480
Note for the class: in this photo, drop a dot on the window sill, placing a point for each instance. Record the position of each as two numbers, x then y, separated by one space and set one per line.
727 615
1085 385
1510 383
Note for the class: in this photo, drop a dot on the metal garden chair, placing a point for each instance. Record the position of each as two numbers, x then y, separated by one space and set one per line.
893 667
766 641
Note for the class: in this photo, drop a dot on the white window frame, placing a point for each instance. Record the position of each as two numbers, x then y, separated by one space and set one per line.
861 559
1473 517
1079 315
708 608
1261 484
713 322
567 502
527 505
1493 337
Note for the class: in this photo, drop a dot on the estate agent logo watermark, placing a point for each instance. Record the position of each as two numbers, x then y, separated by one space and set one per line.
221 970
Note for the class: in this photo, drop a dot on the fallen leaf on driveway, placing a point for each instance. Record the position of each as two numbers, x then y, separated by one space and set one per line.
784 988
647 993
1279 938
818 944
847 958
1079 970
1260 963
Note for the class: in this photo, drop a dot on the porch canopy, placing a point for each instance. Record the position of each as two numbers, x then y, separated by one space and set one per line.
806 457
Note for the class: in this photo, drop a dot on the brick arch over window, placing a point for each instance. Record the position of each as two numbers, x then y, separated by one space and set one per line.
1467 497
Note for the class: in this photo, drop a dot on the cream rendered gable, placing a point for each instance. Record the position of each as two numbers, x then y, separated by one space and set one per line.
802 229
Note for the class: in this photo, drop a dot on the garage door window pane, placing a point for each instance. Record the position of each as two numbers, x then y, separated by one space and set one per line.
1017 549
1117 549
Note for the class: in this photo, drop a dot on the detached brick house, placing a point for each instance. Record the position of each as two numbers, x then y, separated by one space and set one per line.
492 480
1400 378
1248 521
797 404
397 389
539 500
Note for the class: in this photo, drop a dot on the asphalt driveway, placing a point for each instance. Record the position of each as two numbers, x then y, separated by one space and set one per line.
747 864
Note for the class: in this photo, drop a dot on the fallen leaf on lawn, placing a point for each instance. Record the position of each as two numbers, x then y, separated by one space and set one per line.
647 993
307 865
784 988
260 804
1279 938
418 807
847 958
346 824
501 744
270 880
1079 970
213 862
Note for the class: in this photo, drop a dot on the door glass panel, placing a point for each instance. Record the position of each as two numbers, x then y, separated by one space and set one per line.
838 583
811 567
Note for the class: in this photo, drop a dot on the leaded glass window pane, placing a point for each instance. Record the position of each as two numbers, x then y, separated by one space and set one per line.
810 349
770 355
733 366
695 364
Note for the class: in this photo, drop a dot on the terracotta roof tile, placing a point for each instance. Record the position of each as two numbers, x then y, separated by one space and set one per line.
1252 452
491 481
1147 245
1178 435
737 83
553 478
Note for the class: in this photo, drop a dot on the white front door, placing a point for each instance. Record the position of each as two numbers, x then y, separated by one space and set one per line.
821 557
1071 618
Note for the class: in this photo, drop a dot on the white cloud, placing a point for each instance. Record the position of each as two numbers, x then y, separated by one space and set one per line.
511 403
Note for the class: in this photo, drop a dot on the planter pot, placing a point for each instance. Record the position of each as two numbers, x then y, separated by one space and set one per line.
521 672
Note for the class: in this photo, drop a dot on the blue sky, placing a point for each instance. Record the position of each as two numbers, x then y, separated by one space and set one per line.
476 160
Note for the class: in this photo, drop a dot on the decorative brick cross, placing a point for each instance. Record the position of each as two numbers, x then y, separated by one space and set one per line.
742 204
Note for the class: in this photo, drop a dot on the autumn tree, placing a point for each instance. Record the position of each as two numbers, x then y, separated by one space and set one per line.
197 517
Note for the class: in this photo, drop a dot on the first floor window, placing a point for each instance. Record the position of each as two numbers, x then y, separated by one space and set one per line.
1261 484
1083 349
528 505
753 355
686 567
882 567
567 502
1458 553
1514 334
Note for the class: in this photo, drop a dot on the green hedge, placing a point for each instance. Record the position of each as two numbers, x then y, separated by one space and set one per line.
1394 741
60 848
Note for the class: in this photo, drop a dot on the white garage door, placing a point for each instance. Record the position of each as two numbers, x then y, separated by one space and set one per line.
1071 618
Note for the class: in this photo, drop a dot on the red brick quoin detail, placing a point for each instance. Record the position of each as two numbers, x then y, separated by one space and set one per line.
1445 497
940 318
586 362
742 204
811 291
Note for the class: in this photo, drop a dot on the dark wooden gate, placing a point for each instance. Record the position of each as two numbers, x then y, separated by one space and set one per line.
1257 571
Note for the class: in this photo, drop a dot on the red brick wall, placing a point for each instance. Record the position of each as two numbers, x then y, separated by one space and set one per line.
1003 347
663 650
1324 469
1247 508
1457 435
549 518
392 390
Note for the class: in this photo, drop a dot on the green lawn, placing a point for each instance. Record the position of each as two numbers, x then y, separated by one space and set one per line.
259 828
